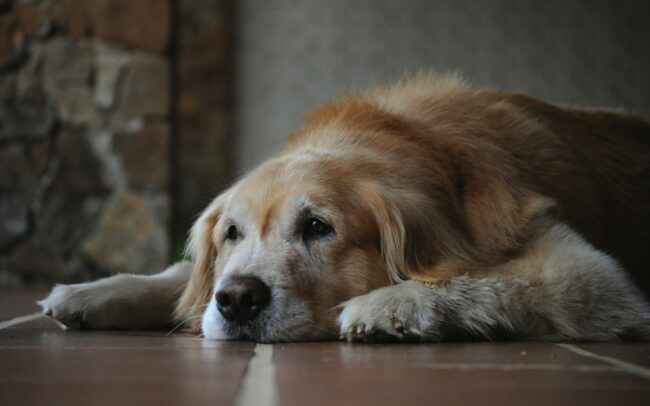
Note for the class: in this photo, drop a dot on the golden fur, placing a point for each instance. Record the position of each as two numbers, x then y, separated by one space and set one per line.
458 179
430 180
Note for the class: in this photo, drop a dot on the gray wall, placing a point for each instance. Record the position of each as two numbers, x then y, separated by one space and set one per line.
293 55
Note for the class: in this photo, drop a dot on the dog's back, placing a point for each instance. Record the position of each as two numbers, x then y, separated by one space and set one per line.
606 195
595 164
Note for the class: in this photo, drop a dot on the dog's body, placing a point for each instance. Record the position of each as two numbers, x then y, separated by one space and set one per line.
424 211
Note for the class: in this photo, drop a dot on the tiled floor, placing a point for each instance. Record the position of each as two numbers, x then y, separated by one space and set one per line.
41 364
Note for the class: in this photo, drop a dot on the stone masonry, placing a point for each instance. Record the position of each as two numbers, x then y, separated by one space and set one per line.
85 136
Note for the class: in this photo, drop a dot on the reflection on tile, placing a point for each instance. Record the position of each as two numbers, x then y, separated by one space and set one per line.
470 373
117 367
17 302
43 364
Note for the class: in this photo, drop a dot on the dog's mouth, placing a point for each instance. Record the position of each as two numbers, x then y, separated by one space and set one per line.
249 331
284 332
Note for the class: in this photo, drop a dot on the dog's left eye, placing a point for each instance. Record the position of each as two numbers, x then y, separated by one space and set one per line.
232 233
314 228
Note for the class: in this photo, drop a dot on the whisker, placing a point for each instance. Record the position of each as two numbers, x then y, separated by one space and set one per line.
336 308
182 322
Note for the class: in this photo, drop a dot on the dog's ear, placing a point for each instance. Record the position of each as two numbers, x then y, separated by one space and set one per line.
202 252
427 240
497 218
501 219
391 233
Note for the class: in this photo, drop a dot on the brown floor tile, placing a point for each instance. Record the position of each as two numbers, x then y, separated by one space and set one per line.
42 364
93 339
481 373
497 353
401 385
63 367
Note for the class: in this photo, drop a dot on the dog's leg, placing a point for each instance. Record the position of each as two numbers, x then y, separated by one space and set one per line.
561 288
119 302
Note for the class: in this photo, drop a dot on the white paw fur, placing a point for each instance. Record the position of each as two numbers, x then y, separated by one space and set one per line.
74 306
120 302
402 312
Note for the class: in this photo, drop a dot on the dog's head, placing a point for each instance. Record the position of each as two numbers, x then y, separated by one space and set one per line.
283 247
359 198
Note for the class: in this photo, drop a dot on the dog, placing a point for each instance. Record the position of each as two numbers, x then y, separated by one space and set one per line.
427 211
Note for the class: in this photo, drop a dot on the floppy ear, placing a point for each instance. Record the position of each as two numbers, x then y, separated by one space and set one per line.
202 252
485 227
500 219
392 235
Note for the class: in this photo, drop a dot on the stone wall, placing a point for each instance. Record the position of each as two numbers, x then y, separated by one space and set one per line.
85 136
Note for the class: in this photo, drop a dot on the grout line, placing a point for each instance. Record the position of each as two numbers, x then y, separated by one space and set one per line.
625 366
258 386
469 366
20 319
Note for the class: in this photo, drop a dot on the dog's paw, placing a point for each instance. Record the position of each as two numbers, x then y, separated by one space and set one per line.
399 313
73 306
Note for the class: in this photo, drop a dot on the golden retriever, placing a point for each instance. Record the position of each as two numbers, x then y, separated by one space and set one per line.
423 211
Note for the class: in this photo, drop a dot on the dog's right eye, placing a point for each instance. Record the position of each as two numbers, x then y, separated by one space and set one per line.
232 233
315 228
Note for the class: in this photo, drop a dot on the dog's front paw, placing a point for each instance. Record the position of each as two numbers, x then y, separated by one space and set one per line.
400 313
74 306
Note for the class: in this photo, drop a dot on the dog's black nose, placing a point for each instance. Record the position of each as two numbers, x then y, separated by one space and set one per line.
240 298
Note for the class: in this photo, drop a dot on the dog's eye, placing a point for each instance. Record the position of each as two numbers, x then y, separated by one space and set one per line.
314 228
232 234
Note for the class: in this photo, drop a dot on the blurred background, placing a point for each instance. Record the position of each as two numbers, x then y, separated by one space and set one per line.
121 119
